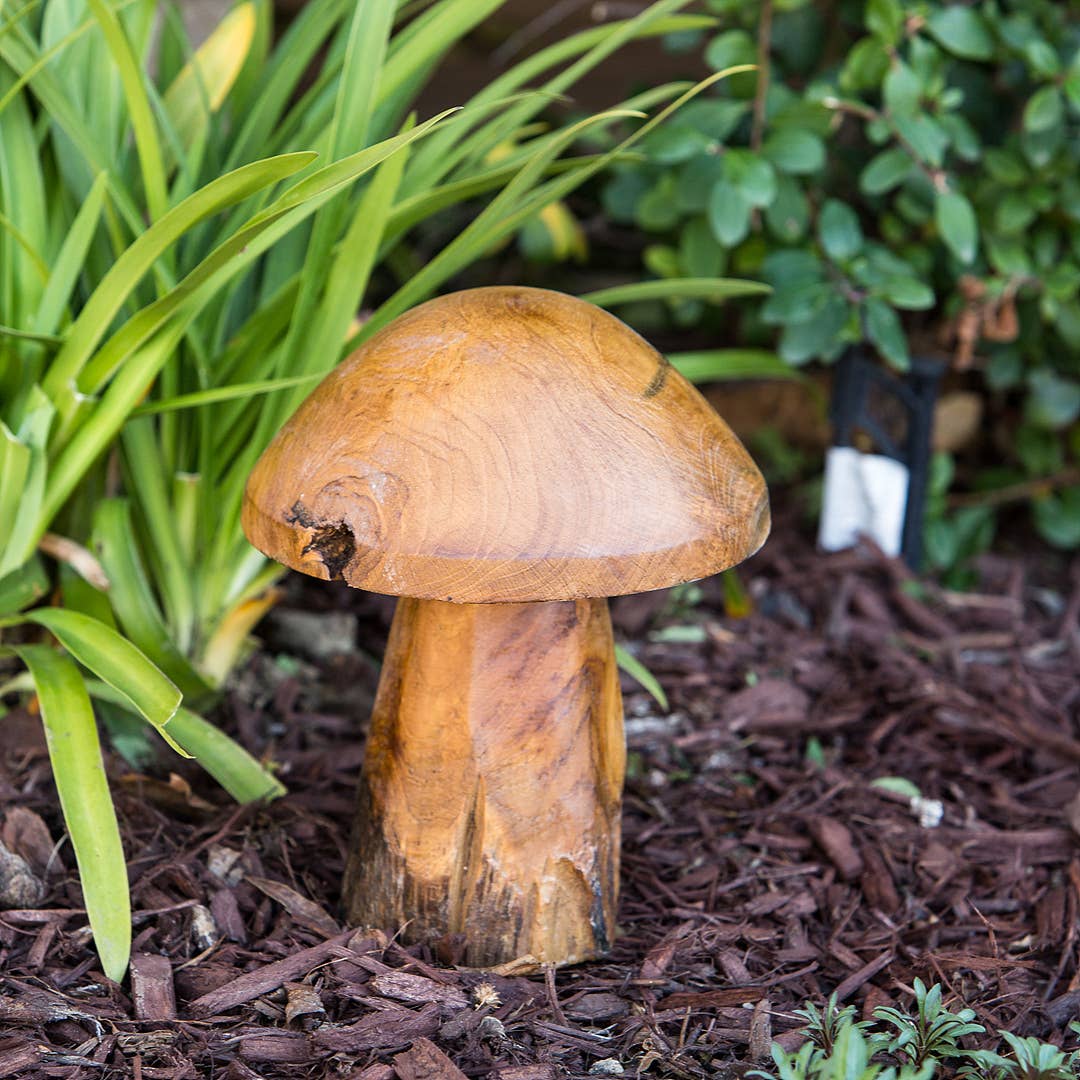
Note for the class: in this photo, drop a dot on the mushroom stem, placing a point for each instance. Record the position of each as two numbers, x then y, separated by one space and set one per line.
491 787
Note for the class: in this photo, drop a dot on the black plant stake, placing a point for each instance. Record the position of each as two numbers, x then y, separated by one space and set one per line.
868 398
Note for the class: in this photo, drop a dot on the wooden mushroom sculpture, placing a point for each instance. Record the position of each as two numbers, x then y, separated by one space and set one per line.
503 459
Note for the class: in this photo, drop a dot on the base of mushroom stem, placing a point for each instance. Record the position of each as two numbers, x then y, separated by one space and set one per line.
489 804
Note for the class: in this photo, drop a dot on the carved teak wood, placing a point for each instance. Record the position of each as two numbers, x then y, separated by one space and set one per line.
505 459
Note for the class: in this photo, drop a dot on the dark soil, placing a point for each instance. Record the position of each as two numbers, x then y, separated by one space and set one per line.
762 865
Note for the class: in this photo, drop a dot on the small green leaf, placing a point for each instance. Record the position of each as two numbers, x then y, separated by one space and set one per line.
815 337
884 172
699 255
695 181
622 194
673 144
1005 166
1053 400
898 785
925 136
865 66
1039 449
1057 517
1014 213
1008 256
884 330
839 230
788 215
961 31
1043 58
730 49
908 293
885 19
798 302
752 175
658 210
794 151
641 675
729 214
956 223
902 89
1044 110
1071 85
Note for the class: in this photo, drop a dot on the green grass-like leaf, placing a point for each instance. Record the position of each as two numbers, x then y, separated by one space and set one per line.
75 754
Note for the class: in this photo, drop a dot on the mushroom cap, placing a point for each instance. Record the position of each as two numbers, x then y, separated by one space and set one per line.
503 445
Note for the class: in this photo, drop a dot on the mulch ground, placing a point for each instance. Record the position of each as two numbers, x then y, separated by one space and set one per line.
764 863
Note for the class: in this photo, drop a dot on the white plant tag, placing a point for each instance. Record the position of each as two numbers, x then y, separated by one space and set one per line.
865 495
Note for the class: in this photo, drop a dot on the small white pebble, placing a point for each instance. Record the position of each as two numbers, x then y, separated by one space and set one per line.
204 931
928 811
491 1027
224 863
606 1067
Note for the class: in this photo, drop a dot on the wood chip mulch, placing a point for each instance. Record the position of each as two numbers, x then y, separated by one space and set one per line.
773 852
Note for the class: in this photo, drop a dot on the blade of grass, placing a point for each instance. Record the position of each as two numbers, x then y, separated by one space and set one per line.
241 249
509 208
20 53
22 199
107 299
641 675
114 660
204 82
140 111
95 431
715 290
224 759
70 260
50 341
346 280
147 476
23 586
19 531
521 198
418 47
75 753
716 365
585 50
369 32
15 458
237 392
133 599
293 56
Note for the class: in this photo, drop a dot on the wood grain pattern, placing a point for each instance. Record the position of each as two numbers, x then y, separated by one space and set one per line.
490 795
506 444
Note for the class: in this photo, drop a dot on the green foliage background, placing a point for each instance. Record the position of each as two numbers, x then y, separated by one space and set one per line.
902 167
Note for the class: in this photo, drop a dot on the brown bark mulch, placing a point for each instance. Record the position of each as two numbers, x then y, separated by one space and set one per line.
765 863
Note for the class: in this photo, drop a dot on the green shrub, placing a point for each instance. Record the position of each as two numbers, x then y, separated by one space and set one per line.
902 172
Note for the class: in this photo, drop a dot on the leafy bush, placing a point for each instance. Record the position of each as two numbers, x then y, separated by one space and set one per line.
903 172
186 239
917 1047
